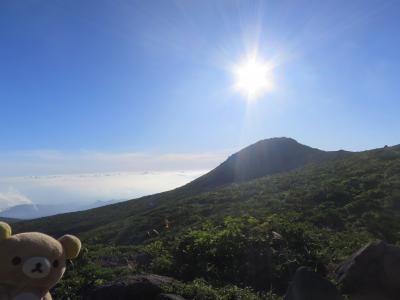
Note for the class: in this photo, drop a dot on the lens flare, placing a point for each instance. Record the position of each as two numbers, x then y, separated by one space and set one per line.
253 77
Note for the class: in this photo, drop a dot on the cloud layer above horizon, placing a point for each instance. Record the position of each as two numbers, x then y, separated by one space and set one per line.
53 177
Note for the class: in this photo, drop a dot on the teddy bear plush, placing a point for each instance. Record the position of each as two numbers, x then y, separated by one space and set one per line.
31 263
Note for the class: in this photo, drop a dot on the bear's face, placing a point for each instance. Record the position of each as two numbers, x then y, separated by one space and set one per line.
34 261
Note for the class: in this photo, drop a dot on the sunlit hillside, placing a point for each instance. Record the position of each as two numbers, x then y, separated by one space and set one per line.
321 211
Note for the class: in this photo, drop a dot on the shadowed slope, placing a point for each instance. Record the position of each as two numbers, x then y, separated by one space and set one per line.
266 157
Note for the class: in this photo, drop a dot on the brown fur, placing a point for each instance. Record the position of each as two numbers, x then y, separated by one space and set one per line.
32 263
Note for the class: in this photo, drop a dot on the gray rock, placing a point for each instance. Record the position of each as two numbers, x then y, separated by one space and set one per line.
308 285
373 270
257 271
142 259
140 287
169 297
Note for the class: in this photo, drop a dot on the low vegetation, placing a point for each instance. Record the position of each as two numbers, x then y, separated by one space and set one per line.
243 240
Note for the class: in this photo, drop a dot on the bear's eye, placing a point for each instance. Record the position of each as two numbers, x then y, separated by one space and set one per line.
56 263
16 260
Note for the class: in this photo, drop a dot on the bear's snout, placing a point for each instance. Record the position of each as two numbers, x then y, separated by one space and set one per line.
36 267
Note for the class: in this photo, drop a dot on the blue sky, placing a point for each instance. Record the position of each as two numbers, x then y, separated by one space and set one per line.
153 77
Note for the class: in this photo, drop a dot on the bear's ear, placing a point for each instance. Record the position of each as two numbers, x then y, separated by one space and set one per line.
5 231
71 244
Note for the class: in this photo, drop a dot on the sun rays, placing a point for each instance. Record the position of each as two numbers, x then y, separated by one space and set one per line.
253 77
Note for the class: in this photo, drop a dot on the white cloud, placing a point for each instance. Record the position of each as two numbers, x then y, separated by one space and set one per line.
11 198
58 177
53 162
90 187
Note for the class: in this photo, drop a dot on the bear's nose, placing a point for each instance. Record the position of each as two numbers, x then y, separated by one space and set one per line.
36 267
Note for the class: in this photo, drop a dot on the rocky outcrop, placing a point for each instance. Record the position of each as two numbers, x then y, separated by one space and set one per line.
142 259
139 287
257 271
308 285
372 273
169 297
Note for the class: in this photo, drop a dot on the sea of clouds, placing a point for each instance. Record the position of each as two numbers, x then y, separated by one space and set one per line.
50 177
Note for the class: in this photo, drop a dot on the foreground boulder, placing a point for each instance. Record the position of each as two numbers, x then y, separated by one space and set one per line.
139 287
169 297
373 273
257 271
308 285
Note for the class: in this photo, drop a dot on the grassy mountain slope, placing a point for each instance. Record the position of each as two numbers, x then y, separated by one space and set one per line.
337 185
9 220
266 157
338 194
323 211
219 241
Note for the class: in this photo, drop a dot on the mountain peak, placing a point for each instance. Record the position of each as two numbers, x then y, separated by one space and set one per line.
263 158
282 139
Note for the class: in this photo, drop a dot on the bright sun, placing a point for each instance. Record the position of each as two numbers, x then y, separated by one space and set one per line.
253 77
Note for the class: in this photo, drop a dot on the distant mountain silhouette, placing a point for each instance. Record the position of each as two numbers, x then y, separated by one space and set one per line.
33 211
266 157
25 211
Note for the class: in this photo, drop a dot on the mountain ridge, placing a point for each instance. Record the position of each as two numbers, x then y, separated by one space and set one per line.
250 234
123 217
